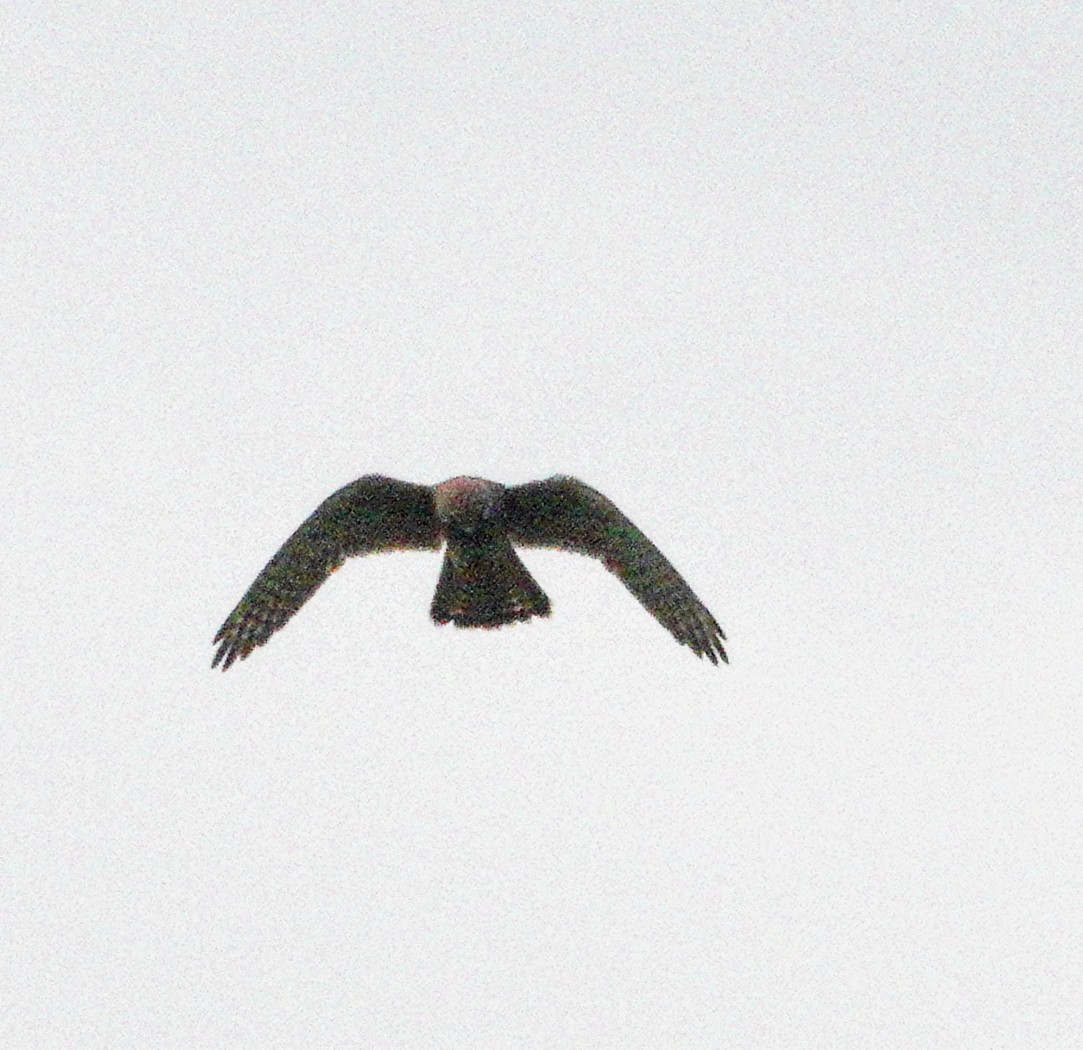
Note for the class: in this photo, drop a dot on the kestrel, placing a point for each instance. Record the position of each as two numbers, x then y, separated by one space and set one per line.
482 582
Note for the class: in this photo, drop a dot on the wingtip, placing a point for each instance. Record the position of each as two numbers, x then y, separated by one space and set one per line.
714 652
225 656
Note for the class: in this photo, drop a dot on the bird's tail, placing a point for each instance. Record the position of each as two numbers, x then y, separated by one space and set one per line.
484 584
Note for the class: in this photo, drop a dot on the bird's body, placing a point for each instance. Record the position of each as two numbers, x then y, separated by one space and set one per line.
483 583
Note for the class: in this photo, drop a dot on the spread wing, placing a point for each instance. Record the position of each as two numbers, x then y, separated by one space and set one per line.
371 514
563 512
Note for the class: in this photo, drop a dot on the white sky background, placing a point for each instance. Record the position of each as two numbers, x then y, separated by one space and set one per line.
798 286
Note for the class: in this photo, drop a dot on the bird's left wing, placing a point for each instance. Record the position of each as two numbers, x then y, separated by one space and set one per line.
565 513
371 514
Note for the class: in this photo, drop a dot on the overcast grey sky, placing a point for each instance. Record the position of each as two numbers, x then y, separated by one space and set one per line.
797 285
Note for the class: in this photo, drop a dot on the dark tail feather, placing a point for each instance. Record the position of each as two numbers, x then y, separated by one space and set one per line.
484 584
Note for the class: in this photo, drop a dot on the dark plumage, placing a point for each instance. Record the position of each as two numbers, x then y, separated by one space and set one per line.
482 581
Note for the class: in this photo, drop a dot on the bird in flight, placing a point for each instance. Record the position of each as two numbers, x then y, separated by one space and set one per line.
482 582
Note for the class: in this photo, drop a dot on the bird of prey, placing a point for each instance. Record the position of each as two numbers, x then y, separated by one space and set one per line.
482 582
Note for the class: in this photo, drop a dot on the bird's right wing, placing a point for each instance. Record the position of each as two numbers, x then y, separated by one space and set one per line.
371 514
565 513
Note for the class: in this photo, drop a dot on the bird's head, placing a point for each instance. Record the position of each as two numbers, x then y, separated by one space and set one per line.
467 503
